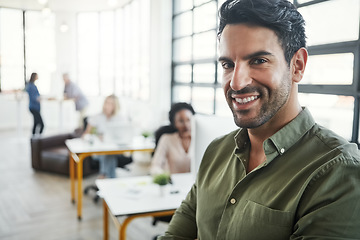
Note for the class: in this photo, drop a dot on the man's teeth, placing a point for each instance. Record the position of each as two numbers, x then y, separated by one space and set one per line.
246 100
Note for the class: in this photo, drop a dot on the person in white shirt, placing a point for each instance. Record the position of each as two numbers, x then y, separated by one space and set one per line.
100 123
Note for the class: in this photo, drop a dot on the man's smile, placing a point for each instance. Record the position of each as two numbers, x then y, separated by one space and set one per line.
245 99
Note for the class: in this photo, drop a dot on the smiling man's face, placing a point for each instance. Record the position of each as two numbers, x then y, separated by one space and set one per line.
256 78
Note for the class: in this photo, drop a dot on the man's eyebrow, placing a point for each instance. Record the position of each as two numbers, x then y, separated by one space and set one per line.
247 57
224 59
257 54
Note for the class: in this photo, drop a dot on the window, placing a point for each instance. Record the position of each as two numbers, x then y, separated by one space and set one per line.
113 54
194 63
11 49
88 52
29 36
332 111
331 84
107 53
40 48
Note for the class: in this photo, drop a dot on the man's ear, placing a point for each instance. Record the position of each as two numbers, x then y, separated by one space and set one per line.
298 64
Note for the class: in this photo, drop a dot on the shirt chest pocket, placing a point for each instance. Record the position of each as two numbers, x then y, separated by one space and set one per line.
258 222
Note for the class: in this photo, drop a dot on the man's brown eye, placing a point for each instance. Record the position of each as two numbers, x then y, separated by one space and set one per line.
226 65
259 61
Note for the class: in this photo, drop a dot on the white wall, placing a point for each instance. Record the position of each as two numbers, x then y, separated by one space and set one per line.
148 115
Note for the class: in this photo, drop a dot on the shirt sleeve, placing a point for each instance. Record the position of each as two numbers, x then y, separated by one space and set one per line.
329 209
183 223
159 160
72 90
93 120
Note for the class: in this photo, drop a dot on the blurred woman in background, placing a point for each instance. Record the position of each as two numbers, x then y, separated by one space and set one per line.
34 105
100 124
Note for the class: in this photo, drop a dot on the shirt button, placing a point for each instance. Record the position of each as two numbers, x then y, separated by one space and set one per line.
233 201
282 150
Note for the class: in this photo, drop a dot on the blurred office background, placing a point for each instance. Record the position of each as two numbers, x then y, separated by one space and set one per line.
154 52
150 53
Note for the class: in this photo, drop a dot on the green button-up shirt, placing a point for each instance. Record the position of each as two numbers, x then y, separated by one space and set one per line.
308 188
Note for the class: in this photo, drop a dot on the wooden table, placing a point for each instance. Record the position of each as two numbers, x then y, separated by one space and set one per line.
80 149
136 197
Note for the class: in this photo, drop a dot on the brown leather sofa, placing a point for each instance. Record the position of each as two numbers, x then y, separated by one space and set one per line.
49 154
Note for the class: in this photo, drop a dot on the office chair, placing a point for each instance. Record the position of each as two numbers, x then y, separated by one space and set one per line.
122 161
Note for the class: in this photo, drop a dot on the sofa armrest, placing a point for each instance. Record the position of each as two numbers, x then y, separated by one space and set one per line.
35 153
53 141
41 143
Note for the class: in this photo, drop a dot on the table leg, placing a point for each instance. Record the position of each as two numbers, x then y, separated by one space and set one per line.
79 183
122 231
106 221
72 177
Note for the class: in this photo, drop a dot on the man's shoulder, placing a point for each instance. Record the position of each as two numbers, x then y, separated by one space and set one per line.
332 139
332 145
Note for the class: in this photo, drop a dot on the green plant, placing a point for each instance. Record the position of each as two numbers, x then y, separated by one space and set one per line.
93 130
161 179
146 134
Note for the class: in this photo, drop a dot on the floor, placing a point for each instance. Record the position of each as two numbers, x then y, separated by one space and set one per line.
36 205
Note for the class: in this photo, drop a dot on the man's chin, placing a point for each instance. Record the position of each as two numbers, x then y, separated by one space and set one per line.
243 122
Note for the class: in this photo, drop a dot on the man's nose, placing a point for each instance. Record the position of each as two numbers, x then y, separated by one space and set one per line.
241 77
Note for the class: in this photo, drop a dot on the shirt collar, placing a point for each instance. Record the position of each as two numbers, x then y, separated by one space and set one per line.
287 136
283 139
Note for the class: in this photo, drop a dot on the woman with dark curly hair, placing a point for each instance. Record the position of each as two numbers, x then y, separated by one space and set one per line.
172 151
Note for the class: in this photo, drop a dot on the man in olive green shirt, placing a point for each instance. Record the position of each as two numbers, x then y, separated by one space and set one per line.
281 175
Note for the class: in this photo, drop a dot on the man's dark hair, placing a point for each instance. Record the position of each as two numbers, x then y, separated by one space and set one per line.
176 107
281 16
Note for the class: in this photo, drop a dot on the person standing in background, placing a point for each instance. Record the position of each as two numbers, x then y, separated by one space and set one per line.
72 91
34 105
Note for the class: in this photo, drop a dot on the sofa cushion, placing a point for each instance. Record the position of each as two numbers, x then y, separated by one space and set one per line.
61 151
55 160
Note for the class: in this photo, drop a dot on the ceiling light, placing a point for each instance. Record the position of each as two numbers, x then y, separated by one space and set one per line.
112 3
46 11
43 2
64 27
